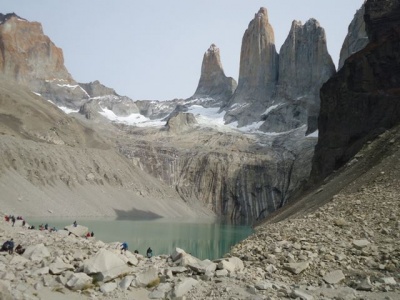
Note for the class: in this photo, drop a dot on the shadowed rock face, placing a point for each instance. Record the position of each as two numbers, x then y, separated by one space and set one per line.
258 72
362 99
356 38
304 65
213 82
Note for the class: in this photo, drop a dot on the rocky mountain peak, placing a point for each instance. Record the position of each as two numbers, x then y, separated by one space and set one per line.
6 17
304 65
304 62
213 83
356 38
35 58
258 72
262 14
96 89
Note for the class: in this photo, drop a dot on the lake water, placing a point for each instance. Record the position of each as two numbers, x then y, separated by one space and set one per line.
203 239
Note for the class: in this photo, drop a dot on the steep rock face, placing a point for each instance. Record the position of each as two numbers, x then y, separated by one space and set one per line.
356 38
258 72
238 177
27 54
362 99
213 82
304 65
29 57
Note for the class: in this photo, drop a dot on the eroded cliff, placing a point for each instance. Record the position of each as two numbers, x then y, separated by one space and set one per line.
362 99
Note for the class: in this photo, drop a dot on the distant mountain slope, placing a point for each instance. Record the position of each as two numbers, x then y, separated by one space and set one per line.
26 115
51 163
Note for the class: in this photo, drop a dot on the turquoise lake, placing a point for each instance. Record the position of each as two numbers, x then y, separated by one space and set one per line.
203 239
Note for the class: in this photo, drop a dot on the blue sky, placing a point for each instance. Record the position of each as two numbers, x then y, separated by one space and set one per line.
153 49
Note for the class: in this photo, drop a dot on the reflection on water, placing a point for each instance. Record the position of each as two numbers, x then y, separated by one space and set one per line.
201 239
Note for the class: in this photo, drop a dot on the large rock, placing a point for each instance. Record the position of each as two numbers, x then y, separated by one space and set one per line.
356 38
58 266
79 281
180 122
183 287
36 252
213 82
362 99
78 230
5 290
258 72
147 277
105 266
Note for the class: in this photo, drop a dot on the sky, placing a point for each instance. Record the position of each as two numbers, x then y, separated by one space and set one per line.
153 49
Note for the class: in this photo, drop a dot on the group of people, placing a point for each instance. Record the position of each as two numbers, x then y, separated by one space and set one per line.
89 234
45 227
124 247
8 246
12 218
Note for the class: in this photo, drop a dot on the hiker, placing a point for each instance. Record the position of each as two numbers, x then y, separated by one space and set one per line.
92 234
19 249
124 247
136 252
13 220
46 226
149 252
75 224
88 235
8 246
23 223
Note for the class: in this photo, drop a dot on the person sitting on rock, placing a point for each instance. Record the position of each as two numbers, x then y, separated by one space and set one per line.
149 252
19 249
75 224
124 247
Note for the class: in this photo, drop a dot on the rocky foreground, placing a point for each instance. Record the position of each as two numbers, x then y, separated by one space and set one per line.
347 249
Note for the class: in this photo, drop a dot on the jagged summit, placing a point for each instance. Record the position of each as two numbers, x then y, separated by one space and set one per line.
262 14
213 83
6 17
304 65
258 72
